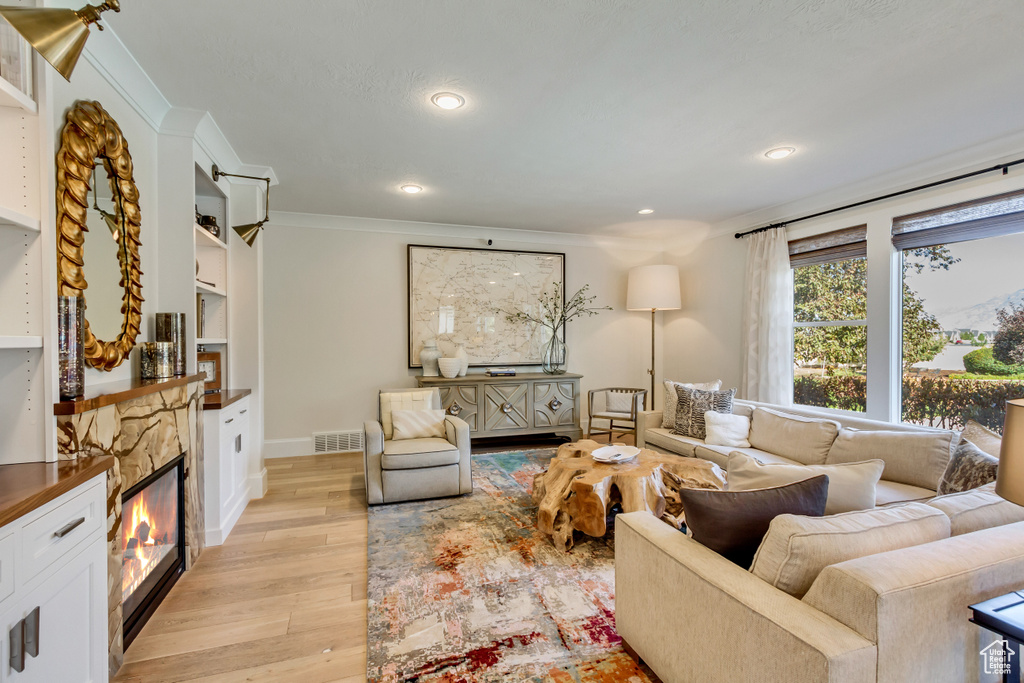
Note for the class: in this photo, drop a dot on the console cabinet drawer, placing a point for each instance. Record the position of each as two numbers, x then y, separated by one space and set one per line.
58 531
555 404
461 402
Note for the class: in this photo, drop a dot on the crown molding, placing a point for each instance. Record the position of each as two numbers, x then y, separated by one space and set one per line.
499 235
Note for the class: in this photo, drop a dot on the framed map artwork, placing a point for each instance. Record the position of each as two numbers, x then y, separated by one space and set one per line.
460 296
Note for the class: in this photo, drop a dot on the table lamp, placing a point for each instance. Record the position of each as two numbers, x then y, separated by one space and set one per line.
653 288
1010 476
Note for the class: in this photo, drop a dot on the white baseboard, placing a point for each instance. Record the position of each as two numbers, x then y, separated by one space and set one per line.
287 448
258 484
218 536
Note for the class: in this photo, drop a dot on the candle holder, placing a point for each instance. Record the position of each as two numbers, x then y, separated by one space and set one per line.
156 360
71 346
170 327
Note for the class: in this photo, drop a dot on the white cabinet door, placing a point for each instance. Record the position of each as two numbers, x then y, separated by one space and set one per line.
72 633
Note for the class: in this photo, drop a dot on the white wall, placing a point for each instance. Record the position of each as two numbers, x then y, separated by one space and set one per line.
704 339
335 328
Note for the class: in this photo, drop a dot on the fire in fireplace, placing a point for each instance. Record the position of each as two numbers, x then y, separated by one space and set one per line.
153 543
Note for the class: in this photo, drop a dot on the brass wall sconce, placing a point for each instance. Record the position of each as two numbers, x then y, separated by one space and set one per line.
58 34
249 231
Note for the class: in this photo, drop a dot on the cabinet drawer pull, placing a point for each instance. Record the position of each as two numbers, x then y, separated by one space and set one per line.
32 633
17 646
229 420
506 408
68 528
454 409
243 412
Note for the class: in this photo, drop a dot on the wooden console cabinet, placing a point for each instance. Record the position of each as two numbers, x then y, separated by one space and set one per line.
528 403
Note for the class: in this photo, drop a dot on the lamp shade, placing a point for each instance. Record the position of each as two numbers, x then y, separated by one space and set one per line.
1010 477
57 34
653 288
249 231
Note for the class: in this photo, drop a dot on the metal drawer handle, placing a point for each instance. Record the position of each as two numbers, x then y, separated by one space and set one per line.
32 633
17 635
229 420
506 408
454 409
244 412
68 528
554 404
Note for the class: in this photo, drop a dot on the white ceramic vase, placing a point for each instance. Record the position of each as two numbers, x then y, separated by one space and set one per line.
428 358
460 353
449 367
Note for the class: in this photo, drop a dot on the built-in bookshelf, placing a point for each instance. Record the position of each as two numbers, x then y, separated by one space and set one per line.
212 270
26 376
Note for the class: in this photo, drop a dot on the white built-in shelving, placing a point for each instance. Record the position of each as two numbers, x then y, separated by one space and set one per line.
21 341
11 97
16 220
204 288
212 262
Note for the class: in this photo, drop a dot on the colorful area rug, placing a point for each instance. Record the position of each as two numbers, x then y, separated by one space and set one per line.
466 590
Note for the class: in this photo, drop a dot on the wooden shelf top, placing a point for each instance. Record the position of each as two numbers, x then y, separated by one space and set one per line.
116 392
224 398
481 377
29 486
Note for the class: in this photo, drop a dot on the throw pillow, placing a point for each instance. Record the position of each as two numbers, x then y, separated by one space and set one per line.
796 549
914 457
732 523
726 430
417 424
804 439
402 400
851 486
977 509
619 401
668 413
982 437
969 468
691 404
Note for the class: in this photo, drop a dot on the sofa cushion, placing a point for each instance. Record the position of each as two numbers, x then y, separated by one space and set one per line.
416 424
984 438
969 468
409 454
403 400
891 492
851 486
675 443
981 508
917 458
668 413
720 455
796 548
693 404
726 429
806 440
732 523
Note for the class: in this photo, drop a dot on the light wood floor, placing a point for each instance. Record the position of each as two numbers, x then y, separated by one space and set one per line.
284 599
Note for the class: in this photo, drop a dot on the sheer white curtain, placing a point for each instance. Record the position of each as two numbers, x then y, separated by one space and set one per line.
768 319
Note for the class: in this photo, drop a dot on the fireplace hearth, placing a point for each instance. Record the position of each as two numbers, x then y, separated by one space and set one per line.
153 543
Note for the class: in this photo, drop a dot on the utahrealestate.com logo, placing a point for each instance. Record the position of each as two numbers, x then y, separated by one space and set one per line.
996 657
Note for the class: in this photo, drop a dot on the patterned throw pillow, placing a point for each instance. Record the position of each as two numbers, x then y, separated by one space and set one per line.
691 404
418 424
969 468
668 413
982 437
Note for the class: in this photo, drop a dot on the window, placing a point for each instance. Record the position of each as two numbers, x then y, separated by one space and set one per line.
830 319
963 311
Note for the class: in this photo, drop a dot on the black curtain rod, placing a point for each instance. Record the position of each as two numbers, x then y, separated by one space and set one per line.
998 167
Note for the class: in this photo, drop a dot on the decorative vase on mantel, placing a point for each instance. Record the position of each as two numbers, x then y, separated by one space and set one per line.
460 353
428 358
555 354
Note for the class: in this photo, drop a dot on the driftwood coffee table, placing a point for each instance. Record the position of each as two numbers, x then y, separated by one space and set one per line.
577 492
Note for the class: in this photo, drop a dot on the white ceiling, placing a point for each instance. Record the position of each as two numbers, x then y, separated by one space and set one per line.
581 112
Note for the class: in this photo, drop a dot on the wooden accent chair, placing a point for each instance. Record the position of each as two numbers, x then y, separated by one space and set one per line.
615 404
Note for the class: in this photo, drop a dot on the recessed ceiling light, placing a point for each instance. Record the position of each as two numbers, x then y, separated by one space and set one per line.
779 152
448 100
412 189
645 211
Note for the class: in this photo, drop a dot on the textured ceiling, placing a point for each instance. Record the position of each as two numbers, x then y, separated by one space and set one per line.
580 112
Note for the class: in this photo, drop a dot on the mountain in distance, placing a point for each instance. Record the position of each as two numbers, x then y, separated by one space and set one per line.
979 316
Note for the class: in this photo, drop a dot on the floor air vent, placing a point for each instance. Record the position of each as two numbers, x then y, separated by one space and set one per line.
337 442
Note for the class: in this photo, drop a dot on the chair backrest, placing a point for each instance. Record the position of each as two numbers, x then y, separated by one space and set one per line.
617 400
420 398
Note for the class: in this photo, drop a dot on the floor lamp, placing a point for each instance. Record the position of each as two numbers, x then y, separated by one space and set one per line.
653 288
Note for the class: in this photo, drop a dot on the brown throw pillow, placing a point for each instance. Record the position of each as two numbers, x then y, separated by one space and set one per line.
691 404
732 523
969 468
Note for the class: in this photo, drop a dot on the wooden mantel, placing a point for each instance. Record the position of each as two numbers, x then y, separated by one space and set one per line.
116 392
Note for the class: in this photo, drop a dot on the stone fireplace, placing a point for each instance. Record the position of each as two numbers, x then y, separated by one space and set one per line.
148 427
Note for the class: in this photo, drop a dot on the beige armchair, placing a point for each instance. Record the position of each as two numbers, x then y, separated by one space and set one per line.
615 404
414 469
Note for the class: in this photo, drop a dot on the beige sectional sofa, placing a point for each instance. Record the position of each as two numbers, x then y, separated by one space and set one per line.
915 457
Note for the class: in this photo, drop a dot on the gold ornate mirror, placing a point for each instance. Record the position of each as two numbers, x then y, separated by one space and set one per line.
91 140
